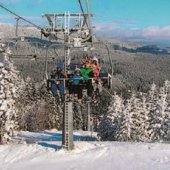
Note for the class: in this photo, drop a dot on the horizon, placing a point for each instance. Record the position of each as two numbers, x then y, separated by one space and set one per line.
134 21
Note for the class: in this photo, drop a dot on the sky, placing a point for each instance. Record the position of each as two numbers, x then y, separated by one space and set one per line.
124 19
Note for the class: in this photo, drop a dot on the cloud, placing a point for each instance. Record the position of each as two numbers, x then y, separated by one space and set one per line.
107 26
115 29
157 32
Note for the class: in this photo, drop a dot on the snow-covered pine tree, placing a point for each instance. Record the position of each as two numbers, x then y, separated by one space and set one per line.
150 116
124 133
39 108
131 120
110 123
10 87
142 117
145 124
136 116
78 117
162 114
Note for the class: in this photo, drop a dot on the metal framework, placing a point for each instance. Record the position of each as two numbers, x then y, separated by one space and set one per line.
74 30
67 28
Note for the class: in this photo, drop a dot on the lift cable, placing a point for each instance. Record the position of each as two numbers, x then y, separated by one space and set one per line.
6 9
89 13
82 10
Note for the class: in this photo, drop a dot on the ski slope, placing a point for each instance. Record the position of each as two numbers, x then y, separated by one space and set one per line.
42 151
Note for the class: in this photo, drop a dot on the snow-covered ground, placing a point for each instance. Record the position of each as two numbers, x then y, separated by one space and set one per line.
43 151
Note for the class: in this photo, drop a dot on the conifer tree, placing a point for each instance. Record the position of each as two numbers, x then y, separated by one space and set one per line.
162 114
10 87
130 125
110 122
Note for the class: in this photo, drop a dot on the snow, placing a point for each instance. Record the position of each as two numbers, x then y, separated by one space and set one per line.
1 65
42 151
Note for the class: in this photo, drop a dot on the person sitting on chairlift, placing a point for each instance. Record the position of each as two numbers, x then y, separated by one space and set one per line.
95 67
58 84
76 83
86 70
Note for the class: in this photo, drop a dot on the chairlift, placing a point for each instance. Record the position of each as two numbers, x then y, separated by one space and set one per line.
104 76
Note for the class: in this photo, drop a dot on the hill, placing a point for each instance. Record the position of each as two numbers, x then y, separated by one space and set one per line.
41 154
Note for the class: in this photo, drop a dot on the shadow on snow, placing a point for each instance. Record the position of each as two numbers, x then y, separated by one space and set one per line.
47 139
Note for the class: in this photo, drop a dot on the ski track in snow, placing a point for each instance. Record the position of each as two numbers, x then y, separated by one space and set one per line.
44 152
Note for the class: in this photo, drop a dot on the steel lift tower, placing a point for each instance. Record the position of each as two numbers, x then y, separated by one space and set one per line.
72 30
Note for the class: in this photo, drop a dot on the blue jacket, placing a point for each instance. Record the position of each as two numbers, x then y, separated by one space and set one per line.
76 79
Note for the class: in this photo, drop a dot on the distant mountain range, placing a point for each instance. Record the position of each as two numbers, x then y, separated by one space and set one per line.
152 49
8 31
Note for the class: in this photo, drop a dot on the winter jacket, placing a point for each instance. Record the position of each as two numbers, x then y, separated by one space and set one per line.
85 72
77 79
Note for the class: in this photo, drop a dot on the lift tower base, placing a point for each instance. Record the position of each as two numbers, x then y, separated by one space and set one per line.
68 126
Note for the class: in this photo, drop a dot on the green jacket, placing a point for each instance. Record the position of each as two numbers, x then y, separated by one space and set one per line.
85 72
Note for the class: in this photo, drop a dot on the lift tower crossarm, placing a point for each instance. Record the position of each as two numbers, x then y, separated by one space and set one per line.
62 15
